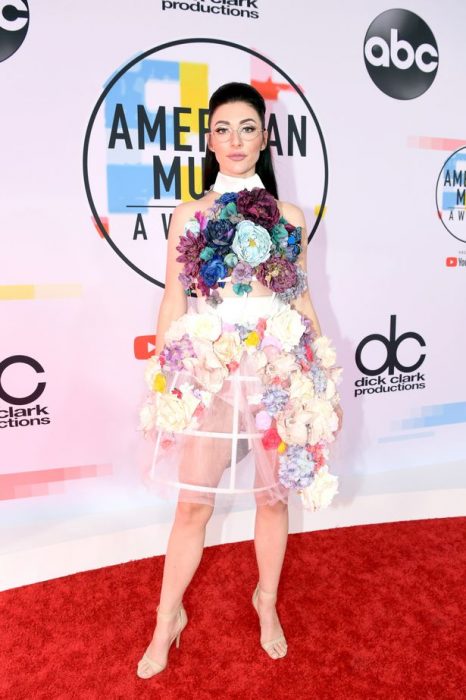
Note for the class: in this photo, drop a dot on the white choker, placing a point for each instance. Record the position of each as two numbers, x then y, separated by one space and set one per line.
227 183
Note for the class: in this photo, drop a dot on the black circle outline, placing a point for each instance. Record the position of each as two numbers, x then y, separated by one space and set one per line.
139 58
436 190
401 99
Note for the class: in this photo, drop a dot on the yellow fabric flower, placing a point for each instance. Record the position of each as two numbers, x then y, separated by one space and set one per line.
253 338
282 447
160 383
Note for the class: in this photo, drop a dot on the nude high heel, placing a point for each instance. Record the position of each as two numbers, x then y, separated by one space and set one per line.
147 667
269 645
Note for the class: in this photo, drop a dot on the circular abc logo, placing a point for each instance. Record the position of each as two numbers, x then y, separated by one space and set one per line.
14 24
401 54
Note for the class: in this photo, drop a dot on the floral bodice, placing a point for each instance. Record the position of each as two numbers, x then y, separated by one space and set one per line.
242 235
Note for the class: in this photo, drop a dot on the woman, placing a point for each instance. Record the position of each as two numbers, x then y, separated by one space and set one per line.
238 158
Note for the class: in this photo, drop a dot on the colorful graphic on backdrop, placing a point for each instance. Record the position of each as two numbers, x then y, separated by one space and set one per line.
146 140
451 194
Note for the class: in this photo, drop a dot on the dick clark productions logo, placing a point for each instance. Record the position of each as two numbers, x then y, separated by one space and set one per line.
401 54
406 378
23 415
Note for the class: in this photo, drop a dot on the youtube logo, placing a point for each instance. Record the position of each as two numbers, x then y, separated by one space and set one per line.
451 262
144 347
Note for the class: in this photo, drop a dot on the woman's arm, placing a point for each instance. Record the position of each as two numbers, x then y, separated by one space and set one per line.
303 303
174 303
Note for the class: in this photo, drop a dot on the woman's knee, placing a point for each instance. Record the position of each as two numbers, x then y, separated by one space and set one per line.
195 514
274 510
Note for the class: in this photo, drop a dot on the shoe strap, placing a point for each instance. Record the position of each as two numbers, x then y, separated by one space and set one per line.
265 594
169 616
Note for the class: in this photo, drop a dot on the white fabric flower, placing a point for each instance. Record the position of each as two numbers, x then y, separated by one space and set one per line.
324 421
177 329
207 326
322 490
324 351
147 415
286 325
174 414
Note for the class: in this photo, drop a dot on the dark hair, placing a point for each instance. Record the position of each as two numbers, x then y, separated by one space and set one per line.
240 92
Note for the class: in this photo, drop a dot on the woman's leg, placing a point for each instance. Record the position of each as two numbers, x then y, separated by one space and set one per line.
184 552
270 540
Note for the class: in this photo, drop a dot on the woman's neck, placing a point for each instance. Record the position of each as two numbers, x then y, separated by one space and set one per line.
233 183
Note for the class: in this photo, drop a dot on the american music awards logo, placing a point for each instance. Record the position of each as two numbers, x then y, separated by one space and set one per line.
451 194
146 138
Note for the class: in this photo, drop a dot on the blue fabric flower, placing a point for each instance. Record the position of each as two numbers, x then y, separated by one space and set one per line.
219 233
228 197
251 243
319 378
296 468
274 399
213 270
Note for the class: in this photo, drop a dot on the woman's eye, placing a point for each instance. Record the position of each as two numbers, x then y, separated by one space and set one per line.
249 129
221 130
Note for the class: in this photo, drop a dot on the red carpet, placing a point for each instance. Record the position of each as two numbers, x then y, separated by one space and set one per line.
373 611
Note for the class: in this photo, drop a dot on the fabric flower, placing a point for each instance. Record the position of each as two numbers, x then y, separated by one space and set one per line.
323 421
271 439
227 197
242 273
295 291
263 420
230 259
207 326
152 369
301 389
219 234
213 270
192 225
321 492
228 347
287 326
173 413
206 367
324 351
175 352
296 468
251 243
258 206
277 274
190 246
274 399
293 425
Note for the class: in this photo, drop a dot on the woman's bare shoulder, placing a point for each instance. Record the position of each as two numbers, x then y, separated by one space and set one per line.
291 213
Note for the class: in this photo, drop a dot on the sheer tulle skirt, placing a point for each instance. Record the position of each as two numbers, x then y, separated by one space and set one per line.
223 459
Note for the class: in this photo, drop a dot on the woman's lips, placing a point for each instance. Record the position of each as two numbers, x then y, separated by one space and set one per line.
236 156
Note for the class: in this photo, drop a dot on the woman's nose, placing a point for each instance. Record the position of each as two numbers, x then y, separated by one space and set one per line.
235 137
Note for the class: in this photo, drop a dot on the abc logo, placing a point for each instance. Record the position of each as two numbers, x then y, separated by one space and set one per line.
391 345
401 54
14 23
38 390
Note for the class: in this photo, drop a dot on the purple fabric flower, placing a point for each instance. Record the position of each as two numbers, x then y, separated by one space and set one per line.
176 351
319 378
219 233
295 291
277 274
190 246
242 273
258 206
296 468
274 399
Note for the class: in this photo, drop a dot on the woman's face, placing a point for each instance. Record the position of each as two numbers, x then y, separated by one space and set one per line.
236 156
